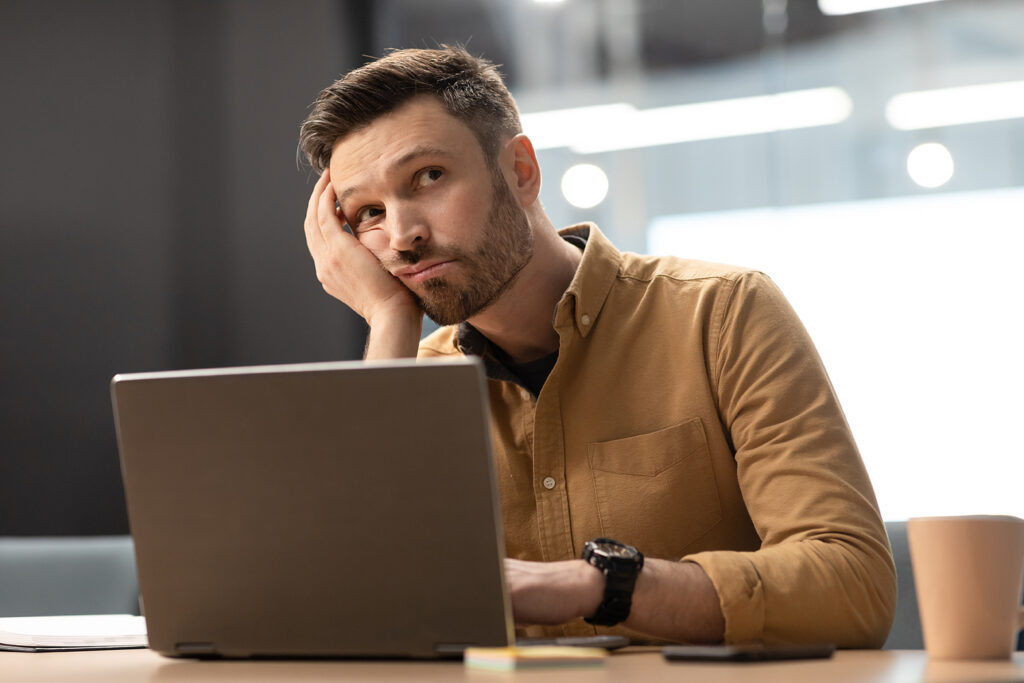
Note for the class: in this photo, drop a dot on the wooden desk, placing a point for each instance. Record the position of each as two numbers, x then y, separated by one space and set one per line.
860 666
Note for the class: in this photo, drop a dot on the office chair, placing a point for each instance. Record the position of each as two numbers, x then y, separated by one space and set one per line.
906 628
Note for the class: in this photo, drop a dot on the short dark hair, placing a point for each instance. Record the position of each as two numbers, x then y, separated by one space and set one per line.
470 88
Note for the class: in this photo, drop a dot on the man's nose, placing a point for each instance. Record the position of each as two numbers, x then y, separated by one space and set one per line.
408 228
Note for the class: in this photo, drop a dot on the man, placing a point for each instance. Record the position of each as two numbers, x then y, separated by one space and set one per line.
675 406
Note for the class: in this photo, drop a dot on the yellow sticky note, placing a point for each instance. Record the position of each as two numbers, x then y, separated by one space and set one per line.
536 657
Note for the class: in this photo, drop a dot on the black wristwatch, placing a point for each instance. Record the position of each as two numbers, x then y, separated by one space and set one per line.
620 564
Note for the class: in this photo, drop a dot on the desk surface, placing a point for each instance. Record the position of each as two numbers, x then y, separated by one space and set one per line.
861 666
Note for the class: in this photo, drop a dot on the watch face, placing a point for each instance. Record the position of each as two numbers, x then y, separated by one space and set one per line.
612 549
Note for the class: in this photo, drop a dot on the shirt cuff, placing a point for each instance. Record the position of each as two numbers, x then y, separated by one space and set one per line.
740 593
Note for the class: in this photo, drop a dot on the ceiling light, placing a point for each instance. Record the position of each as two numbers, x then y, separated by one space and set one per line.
835 7
723 119
930 165
620 126
585 185
566 127
955 106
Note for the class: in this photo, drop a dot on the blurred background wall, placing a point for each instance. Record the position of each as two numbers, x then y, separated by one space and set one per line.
151 204
150 218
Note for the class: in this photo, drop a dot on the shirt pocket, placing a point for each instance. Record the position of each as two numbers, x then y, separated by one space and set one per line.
656 491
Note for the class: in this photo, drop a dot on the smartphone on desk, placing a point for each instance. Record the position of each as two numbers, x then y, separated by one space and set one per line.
754 652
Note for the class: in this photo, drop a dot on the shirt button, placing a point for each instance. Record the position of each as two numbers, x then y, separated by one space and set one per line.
549 483
585 319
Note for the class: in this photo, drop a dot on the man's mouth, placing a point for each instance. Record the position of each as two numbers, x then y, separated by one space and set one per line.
425 270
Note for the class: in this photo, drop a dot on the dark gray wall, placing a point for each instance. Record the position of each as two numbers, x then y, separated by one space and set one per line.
150 218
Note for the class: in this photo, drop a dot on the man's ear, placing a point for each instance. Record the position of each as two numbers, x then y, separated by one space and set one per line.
525 169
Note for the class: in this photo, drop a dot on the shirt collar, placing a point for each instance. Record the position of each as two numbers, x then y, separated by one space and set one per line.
583 301
472 343
580 305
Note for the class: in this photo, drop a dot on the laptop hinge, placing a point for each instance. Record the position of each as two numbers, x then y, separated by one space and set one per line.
451 649
195 649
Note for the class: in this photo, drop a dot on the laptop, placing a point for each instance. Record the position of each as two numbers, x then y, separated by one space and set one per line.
342 509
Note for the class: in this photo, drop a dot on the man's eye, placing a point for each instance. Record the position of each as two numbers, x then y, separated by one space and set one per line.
428 176
368 214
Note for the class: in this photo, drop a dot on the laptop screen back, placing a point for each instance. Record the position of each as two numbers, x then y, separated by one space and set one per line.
335 509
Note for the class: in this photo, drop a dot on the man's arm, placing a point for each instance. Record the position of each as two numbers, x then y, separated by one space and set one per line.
350 273
672 600
824 571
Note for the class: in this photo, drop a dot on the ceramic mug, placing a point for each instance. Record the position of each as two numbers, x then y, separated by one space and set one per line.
968 572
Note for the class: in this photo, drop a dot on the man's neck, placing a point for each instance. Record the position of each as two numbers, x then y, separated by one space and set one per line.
520 321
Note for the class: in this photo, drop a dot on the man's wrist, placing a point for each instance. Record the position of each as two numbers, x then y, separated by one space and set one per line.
394 333
591 583
395 312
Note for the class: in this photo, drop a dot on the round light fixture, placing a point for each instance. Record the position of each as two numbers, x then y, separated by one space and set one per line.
930 165
585 186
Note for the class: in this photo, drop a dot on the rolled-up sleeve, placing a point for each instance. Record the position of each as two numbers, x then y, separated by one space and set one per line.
824 571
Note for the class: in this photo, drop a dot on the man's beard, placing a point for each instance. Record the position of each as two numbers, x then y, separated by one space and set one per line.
503 250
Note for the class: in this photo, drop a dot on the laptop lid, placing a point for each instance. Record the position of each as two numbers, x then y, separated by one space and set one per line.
327 509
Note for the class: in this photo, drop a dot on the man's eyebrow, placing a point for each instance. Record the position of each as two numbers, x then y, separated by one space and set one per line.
411 155
416 153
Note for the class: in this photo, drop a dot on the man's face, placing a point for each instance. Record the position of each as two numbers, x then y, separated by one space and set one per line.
417 191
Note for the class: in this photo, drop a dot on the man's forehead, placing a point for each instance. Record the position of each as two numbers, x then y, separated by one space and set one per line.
418 128
423 115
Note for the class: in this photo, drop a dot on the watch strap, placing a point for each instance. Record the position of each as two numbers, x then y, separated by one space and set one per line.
620 579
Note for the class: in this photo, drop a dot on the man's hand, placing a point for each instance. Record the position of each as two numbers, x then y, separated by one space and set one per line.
350 273
553 592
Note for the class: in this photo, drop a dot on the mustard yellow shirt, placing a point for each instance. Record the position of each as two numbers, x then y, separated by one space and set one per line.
688 414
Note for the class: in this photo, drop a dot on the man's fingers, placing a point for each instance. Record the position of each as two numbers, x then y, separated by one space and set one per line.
330 219
336 253
318 189
314 237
